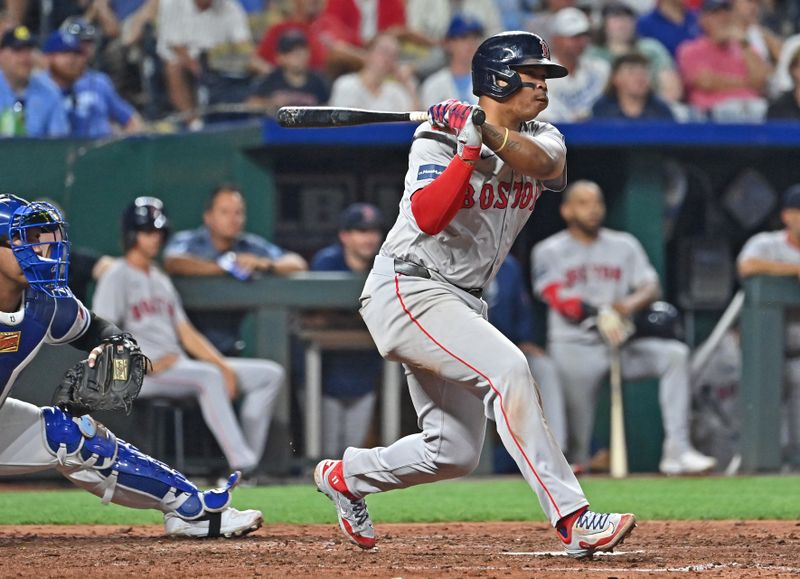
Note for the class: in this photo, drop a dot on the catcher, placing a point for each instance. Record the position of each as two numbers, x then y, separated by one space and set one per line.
36 308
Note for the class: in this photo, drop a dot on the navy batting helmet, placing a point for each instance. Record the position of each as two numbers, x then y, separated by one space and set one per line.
499 57
658 320
144 214
36 234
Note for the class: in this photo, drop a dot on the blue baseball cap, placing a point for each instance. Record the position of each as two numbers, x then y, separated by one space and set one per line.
61 41
463 25
361 216
715 5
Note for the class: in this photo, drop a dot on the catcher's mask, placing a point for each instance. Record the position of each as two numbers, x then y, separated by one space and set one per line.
37 235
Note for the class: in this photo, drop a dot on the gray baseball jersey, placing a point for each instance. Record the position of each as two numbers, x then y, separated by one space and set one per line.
146 304
599 273
497 204
460 369
775 246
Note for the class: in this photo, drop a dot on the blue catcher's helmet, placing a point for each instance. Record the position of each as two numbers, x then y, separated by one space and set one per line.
37 235
499 57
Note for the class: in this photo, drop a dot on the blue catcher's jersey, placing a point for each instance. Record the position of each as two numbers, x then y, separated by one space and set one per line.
40 320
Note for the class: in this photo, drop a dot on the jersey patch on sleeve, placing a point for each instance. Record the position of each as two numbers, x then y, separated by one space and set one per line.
429 172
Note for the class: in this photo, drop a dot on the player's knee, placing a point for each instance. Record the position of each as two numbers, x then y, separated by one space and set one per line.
457 462
78 441
677 351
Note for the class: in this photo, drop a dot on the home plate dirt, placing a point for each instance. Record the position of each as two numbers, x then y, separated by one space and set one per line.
658 548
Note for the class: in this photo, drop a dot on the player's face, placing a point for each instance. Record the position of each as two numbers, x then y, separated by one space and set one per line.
363 243
584 209
17 63
67 66
9 266
149 243
528 102
225 219
791 219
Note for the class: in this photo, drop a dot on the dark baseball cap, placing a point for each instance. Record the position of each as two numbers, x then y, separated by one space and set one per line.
18 37
360 216
791 197
463 25
292 39
715 5
80 27
60 41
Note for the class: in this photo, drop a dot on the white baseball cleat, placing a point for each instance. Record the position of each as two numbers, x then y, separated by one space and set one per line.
688 461
352 512
588 532
228 523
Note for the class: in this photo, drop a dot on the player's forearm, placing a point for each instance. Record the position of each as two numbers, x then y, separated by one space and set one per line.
289 263
522 153
197 346
754 266
186 265
638 300
435 205
98 330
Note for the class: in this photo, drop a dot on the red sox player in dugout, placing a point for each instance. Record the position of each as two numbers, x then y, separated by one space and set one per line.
469 190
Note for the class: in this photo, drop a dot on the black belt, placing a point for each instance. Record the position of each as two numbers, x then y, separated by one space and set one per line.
414 270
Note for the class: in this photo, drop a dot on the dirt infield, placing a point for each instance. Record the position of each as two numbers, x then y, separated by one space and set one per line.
728 549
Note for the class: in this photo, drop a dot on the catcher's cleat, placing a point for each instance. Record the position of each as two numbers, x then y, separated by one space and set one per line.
689 461
585 532
353 516
217 519
229 523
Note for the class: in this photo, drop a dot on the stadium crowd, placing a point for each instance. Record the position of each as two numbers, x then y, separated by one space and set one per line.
93 68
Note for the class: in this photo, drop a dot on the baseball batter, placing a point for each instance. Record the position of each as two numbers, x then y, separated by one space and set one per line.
36 308
778 253
468 192
587 269
138 296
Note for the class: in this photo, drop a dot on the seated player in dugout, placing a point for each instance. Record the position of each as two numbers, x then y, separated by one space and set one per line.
595 280
135 294
221 247
37 308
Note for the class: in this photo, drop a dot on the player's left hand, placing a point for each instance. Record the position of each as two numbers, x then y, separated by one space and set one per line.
613 328
437 114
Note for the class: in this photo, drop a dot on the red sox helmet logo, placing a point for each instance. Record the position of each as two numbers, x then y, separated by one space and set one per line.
545 49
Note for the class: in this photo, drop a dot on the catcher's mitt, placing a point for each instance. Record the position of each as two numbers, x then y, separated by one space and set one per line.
112 384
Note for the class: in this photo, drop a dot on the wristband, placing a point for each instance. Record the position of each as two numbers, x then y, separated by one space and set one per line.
505 140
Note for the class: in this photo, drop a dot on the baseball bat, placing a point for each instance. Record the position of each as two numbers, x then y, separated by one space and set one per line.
619 448
307 117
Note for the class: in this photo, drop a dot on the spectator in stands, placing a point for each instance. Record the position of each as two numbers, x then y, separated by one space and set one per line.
541 22
587 269
455 80
136 295
383 83
511 312
629 94
787 105
204 42
333 47
617 37
748 28
349 379
572 97
292 82
778 253
221 247
721 74
365 19
670 22
91 102
30 103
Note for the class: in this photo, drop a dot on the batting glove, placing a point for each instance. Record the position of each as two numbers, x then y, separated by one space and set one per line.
613 328
470 137
437 114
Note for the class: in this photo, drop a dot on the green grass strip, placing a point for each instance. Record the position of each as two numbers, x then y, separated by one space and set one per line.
474 499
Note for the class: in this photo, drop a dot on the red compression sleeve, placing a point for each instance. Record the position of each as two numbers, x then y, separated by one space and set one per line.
435 205
571 308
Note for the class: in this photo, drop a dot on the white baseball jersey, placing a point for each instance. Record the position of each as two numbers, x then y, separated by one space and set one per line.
497 204
146 304
776 246
599 273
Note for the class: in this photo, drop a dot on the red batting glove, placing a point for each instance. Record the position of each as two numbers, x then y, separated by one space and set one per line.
437 114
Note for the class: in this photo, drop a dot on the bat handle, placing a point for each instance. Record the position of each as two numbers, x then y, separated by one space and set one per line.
478 116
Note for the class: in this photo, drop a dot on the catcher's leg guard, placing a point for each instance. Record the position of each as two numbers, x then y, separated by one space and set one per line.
94 459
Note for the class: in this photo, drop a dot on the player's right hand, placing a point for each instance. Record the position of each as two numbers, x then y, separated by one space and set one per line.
613 328
470 137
